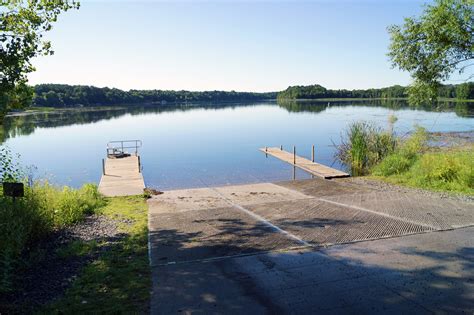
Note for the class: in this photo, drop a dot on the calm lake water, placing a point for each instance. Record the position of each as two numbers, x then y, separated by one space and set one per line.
207 145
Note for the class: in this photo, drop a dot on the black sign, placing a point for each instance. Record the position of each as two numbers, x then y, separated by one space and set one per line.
13 189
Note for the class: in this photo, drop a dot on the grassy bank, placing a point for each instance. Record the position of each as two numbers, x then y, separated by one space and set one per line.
408 161
43 209
117 280
450 170
72 250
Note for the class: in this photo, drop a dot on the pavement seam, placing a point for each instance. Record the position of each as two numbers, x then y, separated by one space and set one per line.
212 259
150 260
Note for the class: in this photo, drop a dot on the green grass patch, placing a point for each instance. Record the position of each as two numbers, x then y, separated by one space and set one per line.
414 164
118 280
404 156
43 209
77 249
450 171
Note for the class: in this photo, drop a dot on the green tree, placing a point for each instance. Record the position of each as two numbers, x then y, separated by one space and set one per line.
434 46
22 26
465 91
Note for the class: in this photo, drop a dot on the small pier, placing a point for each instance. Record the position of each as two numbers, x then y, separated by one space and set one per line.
311 167
121 171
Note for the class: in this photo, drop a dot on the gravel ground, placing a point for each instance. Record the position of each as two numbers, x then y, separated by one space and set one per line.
383 186
93 228
49 275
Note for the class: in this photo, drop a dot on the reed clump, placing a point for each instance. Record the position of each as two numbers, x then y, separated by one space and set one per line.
364 145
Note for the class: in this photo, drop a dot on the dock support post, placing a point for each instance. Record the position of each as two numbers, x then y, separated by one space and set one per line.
103 166
139 164
312 154
294 155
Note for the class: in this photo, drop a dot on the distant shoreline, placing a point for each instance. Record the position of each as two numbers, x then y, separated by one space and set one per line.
39 109
97 107
369 99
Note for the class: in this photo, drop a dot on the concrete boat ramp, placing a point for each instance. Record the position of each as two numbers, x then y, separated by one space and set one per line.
302 247
310 247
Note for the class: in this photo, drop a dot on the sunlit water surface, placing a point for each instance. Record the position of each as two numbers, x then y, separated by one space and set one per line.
205 145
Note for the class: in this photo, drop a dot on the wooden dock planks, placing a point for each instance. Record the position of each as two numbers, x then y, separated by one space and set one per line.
305 164
122 177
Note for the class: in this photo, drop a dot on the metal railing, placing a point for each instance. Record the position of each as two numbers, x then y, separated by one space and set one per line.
117 148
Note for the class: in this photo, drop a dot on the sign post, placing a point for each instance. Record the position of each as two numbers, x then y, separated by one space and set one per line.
13 190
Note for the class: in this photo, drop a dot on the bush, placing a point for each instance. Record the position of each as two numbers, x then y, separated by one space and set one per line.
43 209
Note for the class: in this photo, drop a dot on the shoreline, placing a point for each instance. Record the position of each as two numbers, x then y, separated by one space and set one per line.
38 109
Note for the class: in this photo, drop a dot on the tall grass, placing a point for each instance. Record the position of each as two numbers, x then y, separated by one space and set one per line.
43 209
363 146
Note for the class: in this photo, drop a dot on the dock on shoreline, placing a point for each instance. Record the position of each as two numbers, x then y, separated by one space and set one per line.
122 177
311 167
121 171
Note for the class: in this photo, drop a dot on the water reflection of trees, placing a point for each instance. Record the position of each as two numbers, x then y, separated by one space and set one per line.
462 109
26 124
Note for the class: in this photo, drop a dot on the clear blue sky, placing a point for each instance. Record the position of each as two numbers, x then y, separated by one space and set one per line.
225 45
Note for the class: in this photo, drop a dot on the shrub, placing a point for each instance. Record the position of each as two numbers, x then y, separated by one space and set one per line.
10 169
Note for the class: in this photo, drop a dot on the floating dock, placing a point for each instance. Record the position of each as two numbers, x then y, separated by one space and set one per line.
121 171
314 168
121 177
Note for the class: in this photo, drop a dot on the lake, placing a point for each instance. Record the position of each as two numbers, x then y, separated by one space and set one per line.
201 145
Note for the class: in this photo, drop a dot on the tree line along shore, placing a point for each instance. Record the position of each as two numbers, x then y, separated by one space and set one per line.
61 95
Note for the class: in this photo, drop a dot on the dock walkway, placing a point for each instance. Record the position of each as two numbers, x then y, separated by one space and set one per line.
317 169
122 177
